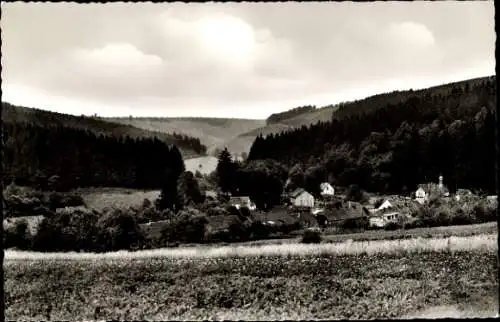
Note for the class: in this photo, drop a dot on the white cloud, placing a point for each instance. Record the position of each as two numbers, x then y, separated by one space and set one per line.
412 34
188 57
116 57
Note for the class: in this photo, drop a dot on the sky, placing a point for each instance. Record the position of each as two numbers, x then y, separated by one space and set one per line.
239 60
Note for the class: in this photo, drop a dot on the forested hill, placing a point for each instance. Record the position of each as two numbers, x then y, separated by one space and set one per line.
59 157
381 100
393 142
189 146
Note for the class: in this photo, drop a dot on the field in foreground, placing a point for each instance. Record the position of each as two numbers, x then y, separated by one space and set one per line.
347 282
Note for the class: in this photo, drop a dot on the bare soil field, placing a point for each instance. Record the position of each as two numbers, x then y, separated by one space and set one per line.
352 280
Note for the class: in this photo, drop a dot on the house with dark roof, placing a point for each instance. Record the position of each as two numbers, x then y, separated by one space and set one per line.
279 215
301 198
341 212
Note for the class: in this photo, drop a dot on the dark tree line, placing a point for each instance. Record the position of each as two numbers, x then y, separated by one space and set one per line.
412 138
80 158
16 114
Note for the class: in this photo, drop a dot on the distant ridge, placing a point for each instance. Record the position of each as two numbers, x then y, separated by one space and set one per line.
189 147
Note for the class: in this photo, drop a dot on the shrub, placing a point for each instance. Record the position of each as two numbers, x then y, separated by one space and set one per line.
146 203
216 211
258 230
232 210
238 231
443 216
311 237
118 230
56 200
67 231
18 236
11 190
393 226
184 228
22 205
245 212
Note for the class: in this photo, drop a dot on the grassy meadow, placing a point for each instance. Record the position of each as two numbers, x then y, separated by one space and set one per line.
350 280
100 198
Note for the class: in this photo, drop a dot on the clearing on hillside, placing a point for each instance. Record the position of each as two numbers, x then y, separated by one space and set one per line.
100 198
205 165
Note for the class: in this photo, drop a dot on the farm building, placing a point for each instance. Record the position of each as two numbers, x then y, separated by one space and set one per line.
301 198
279 215
341 212
326 189
425 191
243 201
381 220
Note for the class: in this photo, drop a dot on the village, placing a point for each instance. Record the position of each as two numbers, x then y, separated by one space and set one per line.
331 210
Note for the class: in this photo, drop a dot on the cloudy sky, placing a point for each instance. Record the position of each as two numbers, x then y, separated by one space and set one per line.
235 60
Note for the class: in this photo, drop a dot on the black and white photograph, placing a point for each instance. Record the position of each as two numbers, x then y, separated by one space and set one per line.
250 161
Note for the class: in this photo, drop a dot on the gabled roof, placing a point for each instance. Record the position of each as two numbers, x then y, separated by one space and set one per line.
325 185
241 199
279 215
355 210
297 192
385 204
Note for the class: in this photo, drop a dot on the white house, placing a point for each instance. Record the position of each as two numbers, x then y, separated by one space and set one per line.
421 195
385 205
383 220
424 190
239 202
326 189
301 198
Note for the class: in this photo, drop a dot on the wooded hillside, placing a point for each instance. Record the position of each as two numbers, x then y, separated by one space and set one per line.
60 157
392 142
189 146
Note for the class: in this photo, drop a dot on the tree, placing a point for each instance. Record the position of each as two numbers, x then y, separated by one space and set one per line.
169 198
296 176
225 171
118 230
188 190
263 181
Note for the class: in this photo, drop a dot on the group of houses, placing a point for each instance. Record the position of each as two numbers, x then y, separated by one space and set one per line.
328 209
